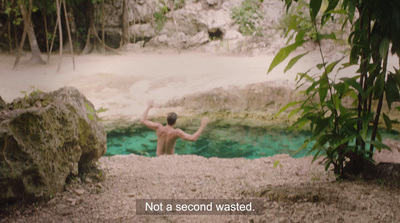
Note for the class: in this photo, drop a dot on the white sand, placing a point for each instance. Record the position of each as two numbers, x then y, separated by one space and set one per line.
124 83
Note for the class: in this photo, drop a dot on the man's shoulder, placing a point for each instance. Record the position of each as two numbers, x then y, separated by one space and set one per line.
178 131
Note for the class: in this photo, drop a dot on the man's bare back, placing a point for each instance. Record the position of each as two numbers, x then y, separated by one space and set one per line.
167 135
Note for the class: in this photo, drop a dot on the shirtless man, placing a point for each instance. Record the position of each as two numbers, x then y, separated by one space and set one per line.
168 134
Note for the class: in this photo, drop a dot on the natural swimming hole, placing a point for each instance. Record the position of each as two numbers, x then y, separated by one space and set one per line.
222 142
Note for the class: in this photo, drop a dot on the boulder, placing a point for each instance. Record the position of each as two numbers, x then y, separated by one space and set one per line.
141 11
233 35
142 31
44 138
198 39
2 104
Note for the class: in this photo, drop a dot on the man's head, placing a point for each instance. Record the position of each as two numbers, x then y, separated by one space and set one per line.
171 118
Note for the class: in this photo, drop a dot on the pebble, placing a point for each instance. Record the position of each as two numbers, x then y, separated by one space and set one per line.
72 201
61 206
79 191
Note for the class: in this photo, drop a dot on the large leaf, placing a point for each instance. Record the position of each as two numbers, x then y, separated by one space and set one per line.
288 3
388 122
284 108
283 54
293 61
352 82
396 77
351 9
315 6
392 91
323 87
384 47
379 145
332 5
292 24
332 65
379 86
340 88
326 36
300 35
321 125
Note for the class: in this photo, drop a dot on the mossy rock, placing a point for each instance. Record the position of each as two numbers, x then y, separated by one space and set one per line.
44 138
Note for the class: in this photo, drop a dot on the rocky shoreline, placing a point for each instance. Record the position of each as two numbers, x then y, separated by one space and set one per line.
294 191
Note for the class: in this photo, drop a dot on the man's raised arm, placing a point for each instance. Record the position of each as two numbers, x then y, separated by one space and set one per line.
145 121
183 135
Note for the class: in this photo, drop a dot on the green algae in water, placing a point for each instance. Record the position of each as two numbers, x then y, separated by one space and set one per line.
222 142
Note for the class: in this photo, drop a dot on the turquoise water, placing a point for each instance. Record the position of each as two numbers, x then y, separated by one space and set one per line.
223 142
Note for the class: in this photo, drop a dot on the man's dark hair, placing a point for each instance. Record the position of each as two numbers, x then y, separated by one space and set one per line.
171 118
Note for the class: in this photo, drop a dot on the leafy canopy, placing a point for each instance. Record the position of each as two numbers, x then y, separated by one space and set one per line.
341 132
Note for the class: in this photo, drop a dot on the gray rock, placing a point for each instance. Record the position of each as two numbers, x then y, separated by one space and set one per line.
233 35
142 31
2 104
133 46
198 39
43 139
212 2
79 191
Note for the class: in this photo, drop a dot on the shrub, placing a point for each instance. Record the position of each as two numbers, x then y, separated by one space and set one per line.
247 16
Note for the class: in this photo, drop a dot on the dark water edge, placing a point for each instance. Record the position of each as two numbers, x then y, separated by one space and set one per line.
222 142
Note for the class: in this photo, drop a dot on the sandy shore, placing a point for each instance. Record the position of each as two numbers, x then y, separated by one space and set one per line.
124 83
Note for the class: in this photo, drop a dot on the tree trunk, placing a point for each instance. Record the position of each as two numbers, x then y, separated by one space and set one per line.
21 44
36 58
69 33
125 24
176 25
93 40
52 41
103 49
45 29
60 32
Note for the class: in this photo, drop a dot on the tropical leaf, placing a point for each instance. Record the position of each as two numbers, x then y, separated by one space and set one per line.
326 36
384 47
379 86
315 6
392 91
351 9
352 82
388 122
293 61
323 87
329 10
284 108
283 54
379 145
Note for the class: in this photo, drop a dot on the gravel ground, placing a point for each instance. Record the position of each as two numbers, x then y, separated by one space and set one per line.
291 190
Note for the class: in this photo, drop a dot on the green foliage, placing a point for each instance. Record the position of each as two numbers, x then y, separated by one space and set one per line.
276 164
297 18
160 17
247 16
340 133
32 92
92 114
179 4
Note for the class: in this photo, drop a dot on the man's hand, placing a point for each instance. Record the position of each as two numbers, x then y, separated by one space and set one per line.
204 121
